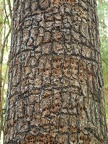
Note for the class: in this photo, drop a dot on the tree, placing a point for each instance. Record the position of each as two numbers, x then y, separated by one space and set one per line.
1 59
5 30
55 90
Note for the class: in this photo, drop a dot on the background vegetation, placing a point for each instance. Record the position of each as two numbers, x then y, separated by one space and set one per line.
103 27
5 36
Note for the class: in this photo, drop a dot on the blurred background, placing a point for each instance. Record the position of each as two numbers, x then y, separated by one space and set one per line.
103 28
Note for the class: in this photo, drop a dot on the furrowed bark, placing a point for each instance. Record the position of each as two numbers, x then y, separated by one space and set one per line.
55 92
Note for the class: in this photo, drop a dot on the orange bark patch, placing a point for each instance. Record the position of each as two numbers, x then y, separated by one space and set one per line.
30 139
44 139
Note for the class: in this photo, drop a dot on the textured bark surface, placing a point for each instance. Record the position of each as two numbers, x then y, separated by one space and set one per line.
55 91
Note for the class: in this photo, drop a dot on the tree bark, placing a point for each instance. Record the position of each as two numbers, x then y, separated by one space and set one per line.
55 93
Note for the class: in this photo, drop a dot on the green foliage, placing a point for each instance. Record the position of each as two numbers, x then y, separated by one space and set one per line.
1 10
5 30
103 23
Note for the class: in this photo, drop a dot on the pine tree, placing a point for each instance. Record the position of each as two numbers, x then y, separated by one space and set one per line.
55 93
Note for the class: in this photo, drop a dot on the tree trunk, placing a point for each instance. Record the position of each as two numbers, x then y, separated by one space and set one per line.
55 93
